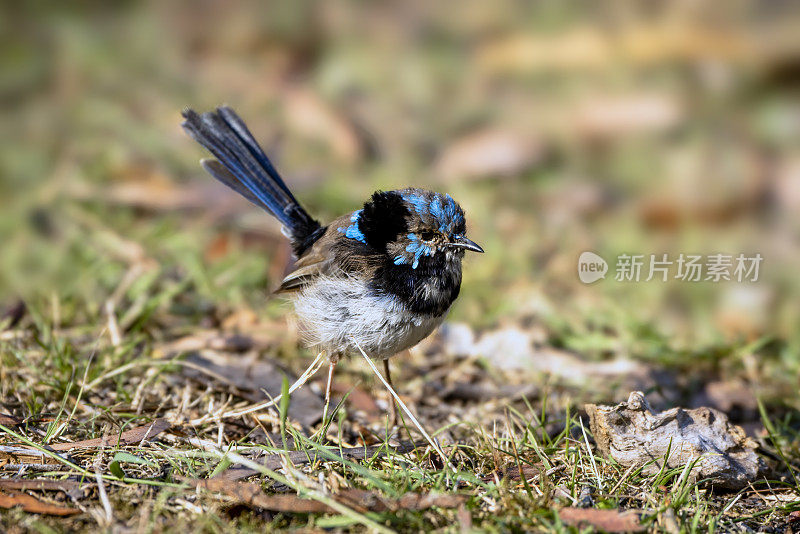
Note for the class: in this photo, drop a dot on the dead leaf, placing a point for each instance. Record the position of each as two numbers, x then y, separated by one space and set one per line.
515 351
589 48
467 392
146 188
275 461
609 117
727 396
24 455
358 399
211 340
240 319
34 505
9 420
423 501
251 494
464 518
488 153
129 437
251 377
41 484
160 194
512 472
218 248
606 520
743 311
313 118
579 48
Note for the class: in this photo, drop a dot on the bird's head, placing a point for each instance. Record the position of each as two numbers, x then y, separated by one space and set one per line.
413 227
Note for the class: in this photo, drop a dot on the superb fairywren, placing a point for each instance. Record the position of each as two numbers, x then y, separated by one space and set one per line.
381 278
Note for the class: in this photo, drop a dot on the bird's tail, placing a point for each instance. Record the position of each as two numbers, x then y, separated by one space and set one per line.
242 165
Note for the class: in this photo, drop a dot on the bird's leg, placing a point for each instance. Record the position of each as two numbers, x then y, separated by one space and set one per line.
433 442
392 405
334 359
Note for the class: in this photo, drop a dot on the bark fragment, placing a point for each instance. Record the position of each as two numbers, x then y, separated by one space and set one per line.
633 434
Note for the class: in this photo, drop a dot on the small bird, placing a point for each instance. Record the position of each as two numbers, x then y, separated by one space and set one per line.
381 278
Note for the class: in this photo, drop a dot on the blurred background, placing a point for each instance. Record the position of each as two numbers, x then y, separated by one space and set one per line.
561 127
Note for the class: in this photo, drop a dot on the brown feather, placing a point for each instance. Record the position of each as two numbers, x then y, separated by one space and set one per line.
316 262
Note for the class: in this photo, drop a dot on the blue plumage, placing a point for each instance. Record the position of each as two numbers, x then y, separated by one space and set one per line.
418 249
352 231
245 168
442 208
381 278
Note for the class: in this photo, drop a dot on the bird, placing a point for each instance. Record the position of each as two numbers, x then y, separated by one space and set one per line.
379 279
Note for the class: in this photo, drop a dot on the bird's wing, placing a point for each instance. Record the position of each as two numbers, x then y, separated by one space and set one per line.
317 261
308 268
331 255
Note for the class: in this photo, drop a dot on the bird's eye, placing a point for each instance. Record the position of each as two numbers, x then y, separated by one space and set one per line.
427 235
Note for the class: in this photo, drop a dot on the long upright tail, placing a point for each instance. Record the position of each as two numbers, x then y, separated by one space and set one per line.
242 165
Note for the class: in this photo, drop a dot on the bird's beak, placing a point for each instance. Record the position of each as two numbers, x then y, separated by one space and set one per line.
463 242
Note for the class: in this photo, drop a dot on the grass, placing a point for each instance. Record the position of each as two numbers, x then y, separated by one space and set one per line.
90 368
551 448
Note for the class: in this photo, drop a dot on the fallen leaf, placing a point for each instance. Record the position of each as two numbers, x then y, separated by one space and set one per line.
251 494
578 48
241 318
212 340
515 351
129 437
583 48
512 472
9 420
609 117
727 396
464 518
146 188
467 392
252 377
607 520
423 501
743 311
24 455
39 484
358 399
488 153
275 461
311 117
34 505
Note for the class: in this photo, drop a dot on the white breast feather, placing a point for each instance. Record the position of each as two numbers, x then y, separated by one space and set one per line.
334 312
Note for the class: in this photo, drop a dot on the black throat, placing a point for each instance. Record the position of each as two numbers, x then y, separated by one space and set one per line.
429 289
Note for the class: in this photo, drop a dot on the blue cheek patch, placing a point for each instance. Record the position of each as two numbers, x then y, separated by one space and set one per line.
418 249
352 231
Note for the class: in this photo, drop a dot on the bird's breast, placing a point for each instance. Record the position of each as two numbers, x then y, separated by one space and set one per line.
337 313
